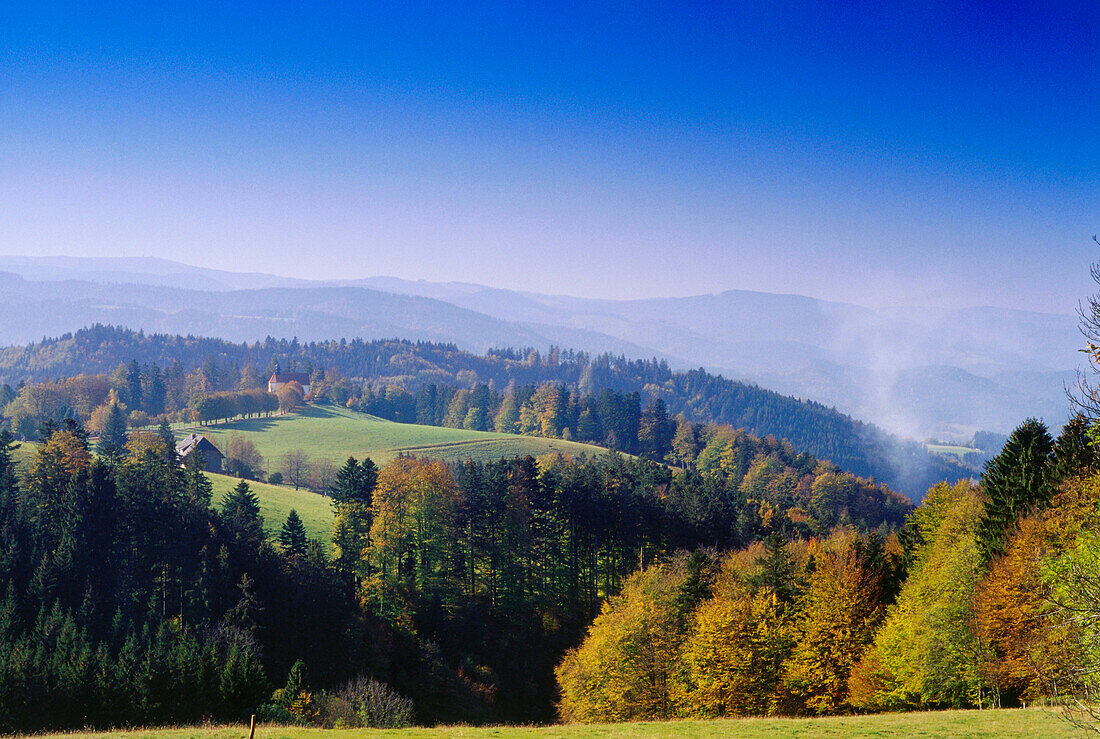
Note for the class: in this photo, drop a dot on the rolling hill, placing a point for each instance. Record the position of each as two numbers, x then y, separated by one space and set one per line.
333 433
857 447
276 501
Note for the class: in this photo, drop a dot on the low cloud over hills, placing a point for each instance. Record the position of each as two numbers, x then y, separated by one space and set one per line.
918 372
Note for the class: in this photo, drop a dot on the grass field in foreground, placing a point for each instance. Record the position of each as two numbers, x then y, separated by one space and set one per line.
1031 723
335 433
276 502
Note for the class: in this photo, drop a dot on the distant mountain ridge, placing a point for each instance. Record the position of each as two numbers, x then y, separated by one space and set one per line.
920 372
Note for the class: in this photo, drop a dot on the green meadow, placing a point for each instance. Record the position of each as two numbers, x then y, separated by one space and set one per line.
952 449
1031 723
326 432
335 433
276 501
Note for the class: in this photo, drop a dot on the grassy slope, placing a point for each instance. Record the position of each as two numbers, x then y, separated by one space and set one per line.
337 433
1003 723
23 454
957 450
277 500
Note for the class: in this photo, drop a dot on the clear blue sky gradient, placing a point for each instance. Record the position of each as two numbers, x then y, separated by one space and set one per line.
911 152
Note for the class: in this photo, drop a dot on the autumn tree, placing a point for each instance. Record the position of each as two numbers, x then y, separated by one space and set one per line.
507 417
733 660
290 396
1011 609
242 458
685 443
295 467
624 669
842 606
413 511
321 475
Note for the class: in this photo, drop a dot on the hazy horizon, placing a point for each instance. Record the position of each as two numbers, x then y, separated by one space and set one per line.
893 155
356 280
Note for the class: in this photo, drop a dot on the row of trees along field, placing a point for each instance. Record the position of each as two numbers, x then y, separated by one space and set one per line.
154 374
95 399
612 419
129 597
987 597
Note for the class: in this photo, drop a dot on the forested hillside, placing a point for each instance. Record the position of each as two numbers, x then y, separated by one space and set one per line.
400 373
130 596
987 597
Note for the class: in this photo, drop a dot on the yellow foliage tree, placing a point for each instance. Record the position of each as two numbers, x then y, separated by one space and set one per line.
841 609
732 662
145 443
413 512
623 669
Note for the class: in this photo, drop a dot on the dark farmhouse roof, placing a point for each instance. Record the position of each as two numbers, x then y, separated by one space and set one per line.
191 442
299 377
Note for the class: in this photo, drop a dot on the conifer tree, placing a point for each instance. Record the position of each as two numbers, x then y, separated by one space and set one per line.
1074 451
133 385
293 535
164 431
241 509
777 569
354 482
1015 481
113 439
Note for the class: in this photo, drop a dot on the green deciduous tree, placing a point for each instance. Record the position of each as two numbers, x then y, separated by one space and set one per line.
926 653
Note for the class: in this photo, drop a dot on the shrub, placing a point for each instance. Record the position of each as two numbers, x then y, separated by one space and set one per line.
138 419
273 713
275 478
365 702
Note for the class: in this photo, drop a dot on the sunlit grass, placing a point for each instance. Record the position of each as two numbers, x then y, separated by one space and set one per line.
1031 723
276 501
335 433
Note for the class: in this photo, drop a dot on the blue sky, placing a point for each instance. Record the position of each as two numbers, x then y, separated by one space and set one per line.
916 152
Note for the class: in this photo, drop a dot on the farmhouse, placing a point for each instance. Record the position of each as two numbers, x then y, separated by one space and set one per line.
281 378
211 458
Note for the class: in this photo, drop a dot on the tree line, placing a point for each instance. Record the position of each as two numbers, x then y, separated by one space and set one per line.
355 368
